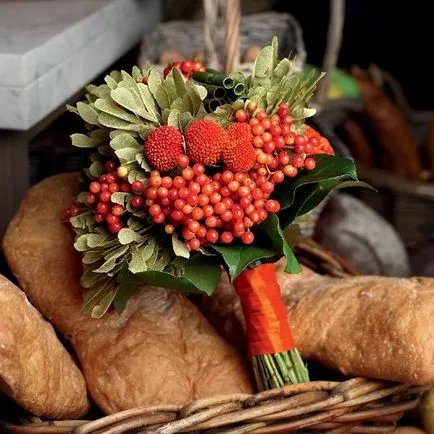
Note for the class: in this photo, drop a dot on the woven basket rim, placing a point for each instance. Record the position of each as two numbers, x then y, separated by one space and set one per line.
355 405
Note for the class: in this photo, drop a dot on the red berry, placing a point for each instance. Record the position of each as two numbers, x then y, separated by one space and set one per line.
228 202
257 193
310 163
219 208
212 235
197 214
245 202
196 66
202 200
226 237
159 218
95 187
125 187
227 176
259 203
262 158
211 221
137 201
208 210
283 158
115 227
233 186
298 161
122 171
162 192
198 169
247 237
279 142
261 115
225 192
237 212
194 187
166 182
266 123
208 189
188 173
193 226
179 204
299 148
278 177
247 222
99 218
239 176
288 120
187 209
254 121
173 194
258 142
262 214
283 111
227 216
267 137
215 197
258 130
275 130
300 139
272 206
110 166
137 186
154 210
267 187
241 115
179 182
192 199
194 244
269 147
117 210
165 201
201 232
290 171
105 196
113 188
186 66
110 178
90 198
111 219
183 193
177 215
202 179
183 160
243 191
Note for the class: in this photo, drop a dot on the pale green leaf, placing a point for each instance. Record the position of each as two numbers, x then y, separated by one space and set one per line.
120 198
126 155
282 69
178 81
137 74
91 257
100 134
103 305
96 169
155 84
127 236
138 261
185 119
106 266
125 98
96 240
118 124
179 247
124 140
116 253
180 104
87 113
109 107
149 101
81 243
83 141
111 83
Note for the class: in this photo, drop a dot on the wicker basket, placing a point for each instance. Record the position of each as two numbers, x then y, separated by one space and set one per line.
354 406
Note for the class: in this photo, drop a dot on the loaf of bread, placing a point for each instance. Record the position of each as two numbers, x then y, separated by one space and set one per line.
371 326
159 350
35 369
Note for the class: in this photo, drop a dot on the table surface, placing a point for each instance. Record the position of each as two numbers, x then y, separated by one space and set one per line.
50 49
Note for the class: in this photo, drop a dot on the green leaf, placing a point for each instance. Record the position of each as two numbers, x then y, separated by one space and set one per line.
155 84
185 119
173 118
127 155
238 258
125 292
114 122
112 84
179 247
282 69
327 167
138 262
106 266
127 236
125 98
96 169
179 82
108 107
201 275
80 243
96 240
83 141
270 229
149 102
103 305
87 113
116 252
124 140
120 198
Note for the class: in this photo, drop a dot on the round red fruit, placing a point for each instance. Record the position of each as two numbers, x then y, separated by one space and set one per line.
212 236
309 163
154 210
241 115
90 198
267 187
226 237
105 196
278 177
137 202
247 237
290 171
117 210
298 161
183 160
99 218
169 229
95 187
115 227
272 205
138 186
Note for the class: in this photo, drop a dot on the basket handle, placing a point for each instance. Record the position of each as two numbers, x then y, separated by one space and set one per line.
232 13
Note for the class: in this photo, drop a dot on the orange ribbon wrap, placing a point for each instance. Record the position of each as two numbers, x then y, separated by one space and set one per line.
265 313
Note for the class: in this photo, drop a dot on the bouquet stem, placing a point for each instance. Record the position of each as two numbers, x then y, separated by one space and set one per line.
275 359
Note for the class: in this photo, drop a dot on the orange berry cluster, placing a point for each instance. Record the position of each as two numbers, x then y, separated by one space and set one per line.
208 209
187 68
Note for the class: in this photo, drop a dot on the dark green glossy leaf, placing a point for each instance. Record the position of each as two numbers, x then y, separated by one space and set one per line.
238 258
328 167
201 275
125 292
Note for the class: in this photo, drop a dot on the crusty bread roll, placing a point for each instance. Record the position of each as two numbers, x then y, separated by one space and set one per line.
160 350
376 327
35 369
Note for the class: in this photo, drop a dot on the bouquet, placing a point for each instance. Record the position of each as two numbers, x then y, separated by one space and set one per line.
191 173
